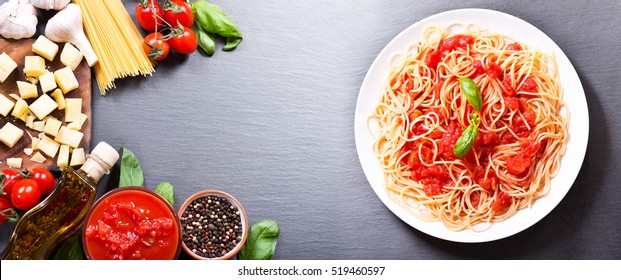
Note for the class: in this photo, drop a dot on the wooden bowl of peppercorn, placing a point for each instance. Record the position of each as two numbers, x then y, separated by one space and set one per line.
214 225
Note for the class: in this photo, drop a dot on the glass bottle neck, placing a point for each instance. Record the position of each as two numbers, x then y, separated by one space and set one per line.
95 168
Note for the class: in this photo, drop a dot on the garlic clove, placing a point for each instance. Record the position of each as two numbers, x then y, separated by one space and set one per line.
50 4
66 26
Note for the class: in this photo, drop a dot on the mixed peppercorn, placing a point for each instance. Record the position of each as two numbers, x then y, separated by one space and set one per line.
211 226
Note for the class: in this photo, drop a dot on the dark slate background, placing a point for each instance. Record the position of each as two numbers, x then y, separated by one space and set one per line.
272 124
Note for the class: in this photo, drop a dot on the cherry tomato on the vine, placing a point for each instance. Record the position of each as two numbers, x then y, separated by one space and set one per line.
12 176
26 194
185 42
7 211
44 179
183 15
144 14
155 46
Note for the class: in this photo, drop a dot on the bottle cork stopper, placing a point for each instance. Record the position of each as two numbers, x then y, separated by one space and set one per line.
106 153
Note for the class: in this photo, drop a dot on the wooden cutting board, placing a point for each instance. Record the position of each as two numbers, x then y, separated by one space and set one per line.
18 50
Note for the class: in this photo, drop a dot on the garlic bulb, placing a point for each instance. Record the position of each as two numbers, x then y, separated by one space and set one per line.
66 26
50 4
18 19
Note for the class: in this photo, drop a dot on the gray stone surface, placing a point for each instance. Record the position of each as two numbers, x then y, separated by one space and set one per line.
272 124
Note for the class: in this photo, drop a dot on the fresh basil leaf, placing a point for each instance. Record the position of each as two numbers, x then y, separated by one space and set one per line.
166 190
261 241
205 40
472 93
71 249
231 43
131 172
214 21
466 140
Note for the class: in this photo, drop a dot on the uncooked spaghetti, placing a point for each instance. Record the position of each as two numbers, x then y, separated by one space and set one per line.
423 112
116 41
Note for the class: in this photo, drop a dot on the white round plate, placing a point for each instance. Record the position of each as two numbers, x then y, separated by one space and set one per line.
573 94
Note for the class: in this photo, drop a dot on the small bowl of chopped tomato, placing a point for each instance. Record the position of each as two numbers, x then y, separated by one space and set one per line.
132 223
214 225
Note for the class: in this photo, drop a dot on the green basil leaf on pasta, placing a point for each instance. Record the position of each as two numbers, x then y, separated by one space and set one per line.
472 93
466 140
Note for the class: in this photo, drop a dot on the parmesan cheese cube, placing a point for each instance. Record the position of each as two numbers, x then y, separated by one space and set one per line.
52 125
28 151
74 125
48 82
70 56
21 108
45 48
69 137
14 162
77 157
73 111
66 80
83 119
7 65
43 106
38 125
6 105
34 66
14 96
27 90
38 157
59 98
48 146
30 121
63 156
35 144
24 117
10 134
32 80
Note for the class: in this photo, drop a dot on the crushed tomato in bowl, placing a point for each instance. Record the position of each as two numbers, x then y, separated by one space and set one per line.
132 223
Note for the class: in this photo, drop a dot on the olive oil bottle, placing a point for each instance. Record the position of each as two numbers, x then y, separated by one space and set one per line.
62 213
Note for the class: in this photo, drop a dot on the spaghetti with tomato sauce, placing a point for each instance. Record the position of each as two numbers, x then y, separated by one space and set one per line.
522 133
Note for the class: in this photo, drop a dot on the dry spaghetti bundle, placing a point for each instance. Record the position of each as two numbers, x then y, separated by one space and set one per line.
116 41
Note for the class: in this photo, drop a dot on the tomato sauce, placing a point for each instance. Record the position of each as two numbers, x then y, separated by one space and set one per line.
132 224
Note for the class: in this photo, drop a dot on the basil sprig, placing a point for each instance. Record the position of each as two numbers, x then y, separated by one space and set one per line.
466 140
469 135
213 20
261 241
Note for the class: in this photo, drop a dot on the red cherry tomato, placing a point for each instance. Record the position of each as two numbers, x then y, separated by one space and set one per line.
155 47
144 15
185 17
26 194
7 213
185 42
44 179
11 177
